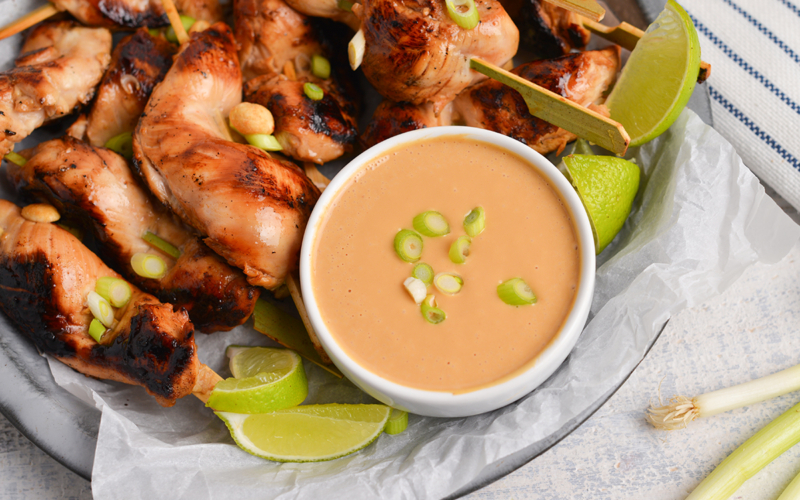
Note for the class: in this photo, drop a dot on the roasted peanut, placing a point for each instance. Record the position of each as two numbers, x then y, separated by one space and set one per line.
248 118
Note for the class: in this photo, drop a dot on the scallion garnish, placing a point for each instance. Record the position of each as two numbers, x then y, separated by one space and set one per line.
116 291
264 141
459 250
187 23
475 222
157 242
397 423
345 5
431 224
423 272
791 492
416 288
430 312
449 283
320 67
100 308
515 292
16 158
313 91
121 144
463 13
96 329
408 245
148 265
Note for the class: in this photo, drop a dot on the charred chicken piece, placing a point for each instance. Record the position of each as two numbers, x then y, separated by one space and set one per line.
251 208
394 118
60 65
95 187
129 14
416 53
551 31
582 77
138 63
273 35
45 277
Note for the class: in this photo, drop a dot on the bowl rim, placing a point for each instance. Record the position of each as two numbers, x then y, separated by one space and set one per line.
526 379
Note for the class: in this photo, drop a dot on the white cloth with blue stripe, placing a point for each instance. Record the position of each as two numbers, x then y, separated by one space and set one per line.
754 50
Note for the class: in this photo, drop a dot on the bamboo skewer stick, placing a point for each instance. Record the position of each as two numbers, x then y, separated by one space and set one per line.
206 380
175 21
297 297
586 8
560 111
28 20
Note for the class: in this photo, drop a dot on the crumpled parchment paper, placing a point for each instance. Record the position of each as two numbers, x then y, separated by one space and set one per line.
700 219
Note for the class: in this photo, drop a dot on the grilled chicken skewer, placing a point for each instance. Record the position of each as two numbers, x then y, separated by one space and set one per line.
45 277
551 31
251 208
138 63
95 186
274 38
60 65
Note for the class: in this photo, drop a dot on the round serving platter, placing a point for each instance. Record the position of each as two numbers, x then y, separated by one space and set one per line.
66 427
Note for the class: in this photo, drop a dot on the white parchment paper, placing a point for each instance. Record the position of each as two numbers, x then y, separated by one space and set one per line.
700 219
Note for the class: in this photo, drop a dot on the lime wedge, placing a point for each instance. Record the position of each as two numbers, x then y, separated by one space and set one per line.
266 379
659 78
607 186
311 433
398 422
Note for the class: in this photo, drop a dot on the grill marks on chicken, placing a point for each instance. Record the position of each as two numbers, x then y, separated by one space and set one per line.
582 77
95 187
136 13
251 207
416 53
45 276
271 34
551 31
60 65
394 118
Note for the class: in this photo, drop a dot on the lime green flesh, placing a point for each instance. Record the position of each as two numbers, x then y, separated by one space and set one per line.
659 77
607 186
310 433
267 379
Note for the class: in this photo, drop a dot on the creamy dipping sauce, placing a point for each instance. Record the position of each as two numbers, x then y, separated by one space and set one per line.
358 278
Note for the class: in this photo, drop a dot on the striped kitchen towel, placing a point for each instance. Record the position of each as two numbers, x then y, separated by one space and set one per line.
754 50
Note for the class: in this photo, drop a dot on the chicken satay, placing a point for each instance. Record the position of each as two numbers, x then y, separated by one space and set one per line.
328 9
550 31
95 187
46 275
394 118
251 208
271 35
583 77
129 14
415 53
60 65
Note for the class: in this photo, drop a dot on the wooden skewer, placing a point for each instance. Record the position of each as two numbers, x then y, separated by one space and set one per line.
297 297
28 20
175 21
206 380
315 175
586 8
560 111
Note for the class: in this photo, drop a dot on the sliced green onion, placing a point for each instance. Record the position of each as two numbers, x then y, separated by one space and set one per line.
114 290
792 492
157 242
416 288
97 329
682 410
313 91
121 144
100 308
423 272
430 312
154 31
356 49
408 245
74 231
752 456
431 224
475 222
397 423
16 158
463 13
320 67
187 23
449 283
582 147
264 141
148 265
459 250
345 5
515 292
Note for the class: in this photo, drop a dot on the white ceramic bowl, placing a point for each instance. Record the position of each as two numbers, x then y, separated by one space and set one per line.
445 404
